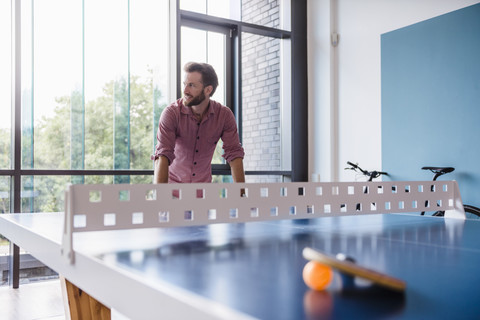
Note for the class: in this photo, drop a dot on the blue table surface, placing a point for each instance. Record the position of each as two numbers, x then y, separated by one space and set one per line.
256 267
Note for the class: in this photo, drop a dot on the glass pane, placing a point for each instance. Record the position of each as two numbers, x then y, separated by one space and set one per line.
106 85
4 259
27 85
199 6
216 56
4 244
229 9
136 179
148 76
263 108
4 194
209 48
30 268
47 193
194 46
5 85
112 123
249 178
57 85
263 178
43 193
222 179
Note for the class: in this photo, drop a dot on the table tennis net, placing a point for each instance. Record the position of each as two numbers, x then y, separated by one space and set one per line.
114 207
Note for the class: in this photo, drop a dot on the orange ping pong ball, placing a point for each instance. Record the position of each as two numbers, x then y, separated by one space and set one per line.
317 276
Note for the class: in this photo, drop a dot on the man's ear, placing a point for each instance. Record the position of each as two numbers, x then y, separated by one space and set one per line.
208 90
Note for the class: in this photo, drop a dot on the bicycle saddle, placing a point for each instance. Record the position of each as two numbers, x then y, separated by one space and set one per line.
441 170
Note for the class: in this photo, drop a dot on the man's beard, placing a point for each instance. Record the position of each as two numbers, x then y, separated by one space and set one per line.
195 101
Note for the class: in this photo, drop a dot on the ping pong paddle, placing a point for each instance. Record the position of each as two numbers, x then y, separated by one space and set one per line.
352 269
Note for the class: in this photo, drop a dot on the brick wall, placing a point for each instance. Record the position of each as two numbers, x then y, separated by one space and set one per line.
261 91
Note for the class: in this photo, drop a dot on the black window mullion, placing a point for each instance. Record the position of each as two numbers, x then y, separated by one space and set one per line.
237 78
15 205
299 92
247 27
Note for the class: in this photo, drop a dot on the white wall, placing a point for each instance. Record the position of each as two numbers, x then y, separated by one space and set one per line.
345 106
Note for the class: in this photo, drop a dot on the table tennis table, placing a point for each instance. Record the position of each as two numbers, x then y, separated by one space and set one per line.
249 266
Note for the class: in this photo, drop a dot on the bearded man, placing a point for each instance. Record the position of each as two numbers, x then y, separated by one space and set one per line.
189 129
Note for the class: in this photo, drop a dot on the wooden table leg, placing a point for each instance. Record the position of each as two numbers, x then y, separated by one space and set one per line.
82 306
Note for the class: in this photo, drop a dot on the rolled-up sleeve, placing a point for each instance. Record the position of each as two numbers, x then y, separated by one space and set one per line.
231 143
166 135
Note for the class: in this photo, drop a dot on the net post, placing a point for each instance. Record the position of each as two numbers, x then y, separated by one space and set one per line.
67 235
458 212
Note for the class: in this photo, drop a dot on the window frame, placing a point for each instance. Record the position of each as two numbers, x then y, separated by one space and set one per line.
228 31
299 141
200 21
299 90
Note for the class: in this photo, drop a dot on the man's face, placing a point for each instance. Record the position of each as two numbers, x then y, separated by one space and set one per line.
193 89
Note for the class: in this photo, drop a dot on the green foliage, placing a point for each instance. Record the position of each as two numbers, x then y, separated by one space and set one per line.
60 140
52 138
4 194
141 122
5 146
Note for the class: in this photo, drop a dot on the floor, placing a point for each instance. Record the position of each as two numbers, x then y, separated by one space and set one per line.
33 301
41 300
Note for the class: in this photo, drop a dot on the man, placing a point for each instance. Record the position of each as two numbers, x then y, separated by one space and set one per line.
189 129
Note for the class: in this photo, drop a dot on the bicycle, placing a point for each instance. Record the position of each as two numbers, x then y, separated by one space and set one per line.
471 212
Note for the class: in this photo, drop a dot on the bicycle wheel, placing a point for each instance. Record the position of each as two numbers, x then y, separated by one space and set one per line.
471 212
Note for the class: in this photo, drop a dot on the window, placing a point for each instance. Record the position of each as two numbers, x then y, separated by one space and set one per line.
88 96
91 93
256 59
265 111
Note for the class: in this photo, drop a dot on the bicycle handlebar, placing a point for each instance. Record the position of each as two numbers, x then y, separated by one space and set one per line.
371 174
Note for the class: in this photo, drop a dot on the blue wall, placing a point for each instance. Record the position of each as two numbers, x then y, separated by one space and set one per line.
431 99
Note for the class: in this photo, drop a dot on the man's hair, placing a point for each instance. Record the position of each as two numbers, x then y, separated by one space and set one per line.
209 76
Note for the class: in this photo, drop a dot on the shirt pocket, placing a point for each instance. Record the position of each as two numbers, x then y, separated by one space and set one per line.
213 140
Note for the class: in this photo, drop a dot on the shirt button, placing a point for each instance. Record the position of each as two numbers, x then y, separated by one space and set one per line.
195 163
196 150
198 138
194 174
198 123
